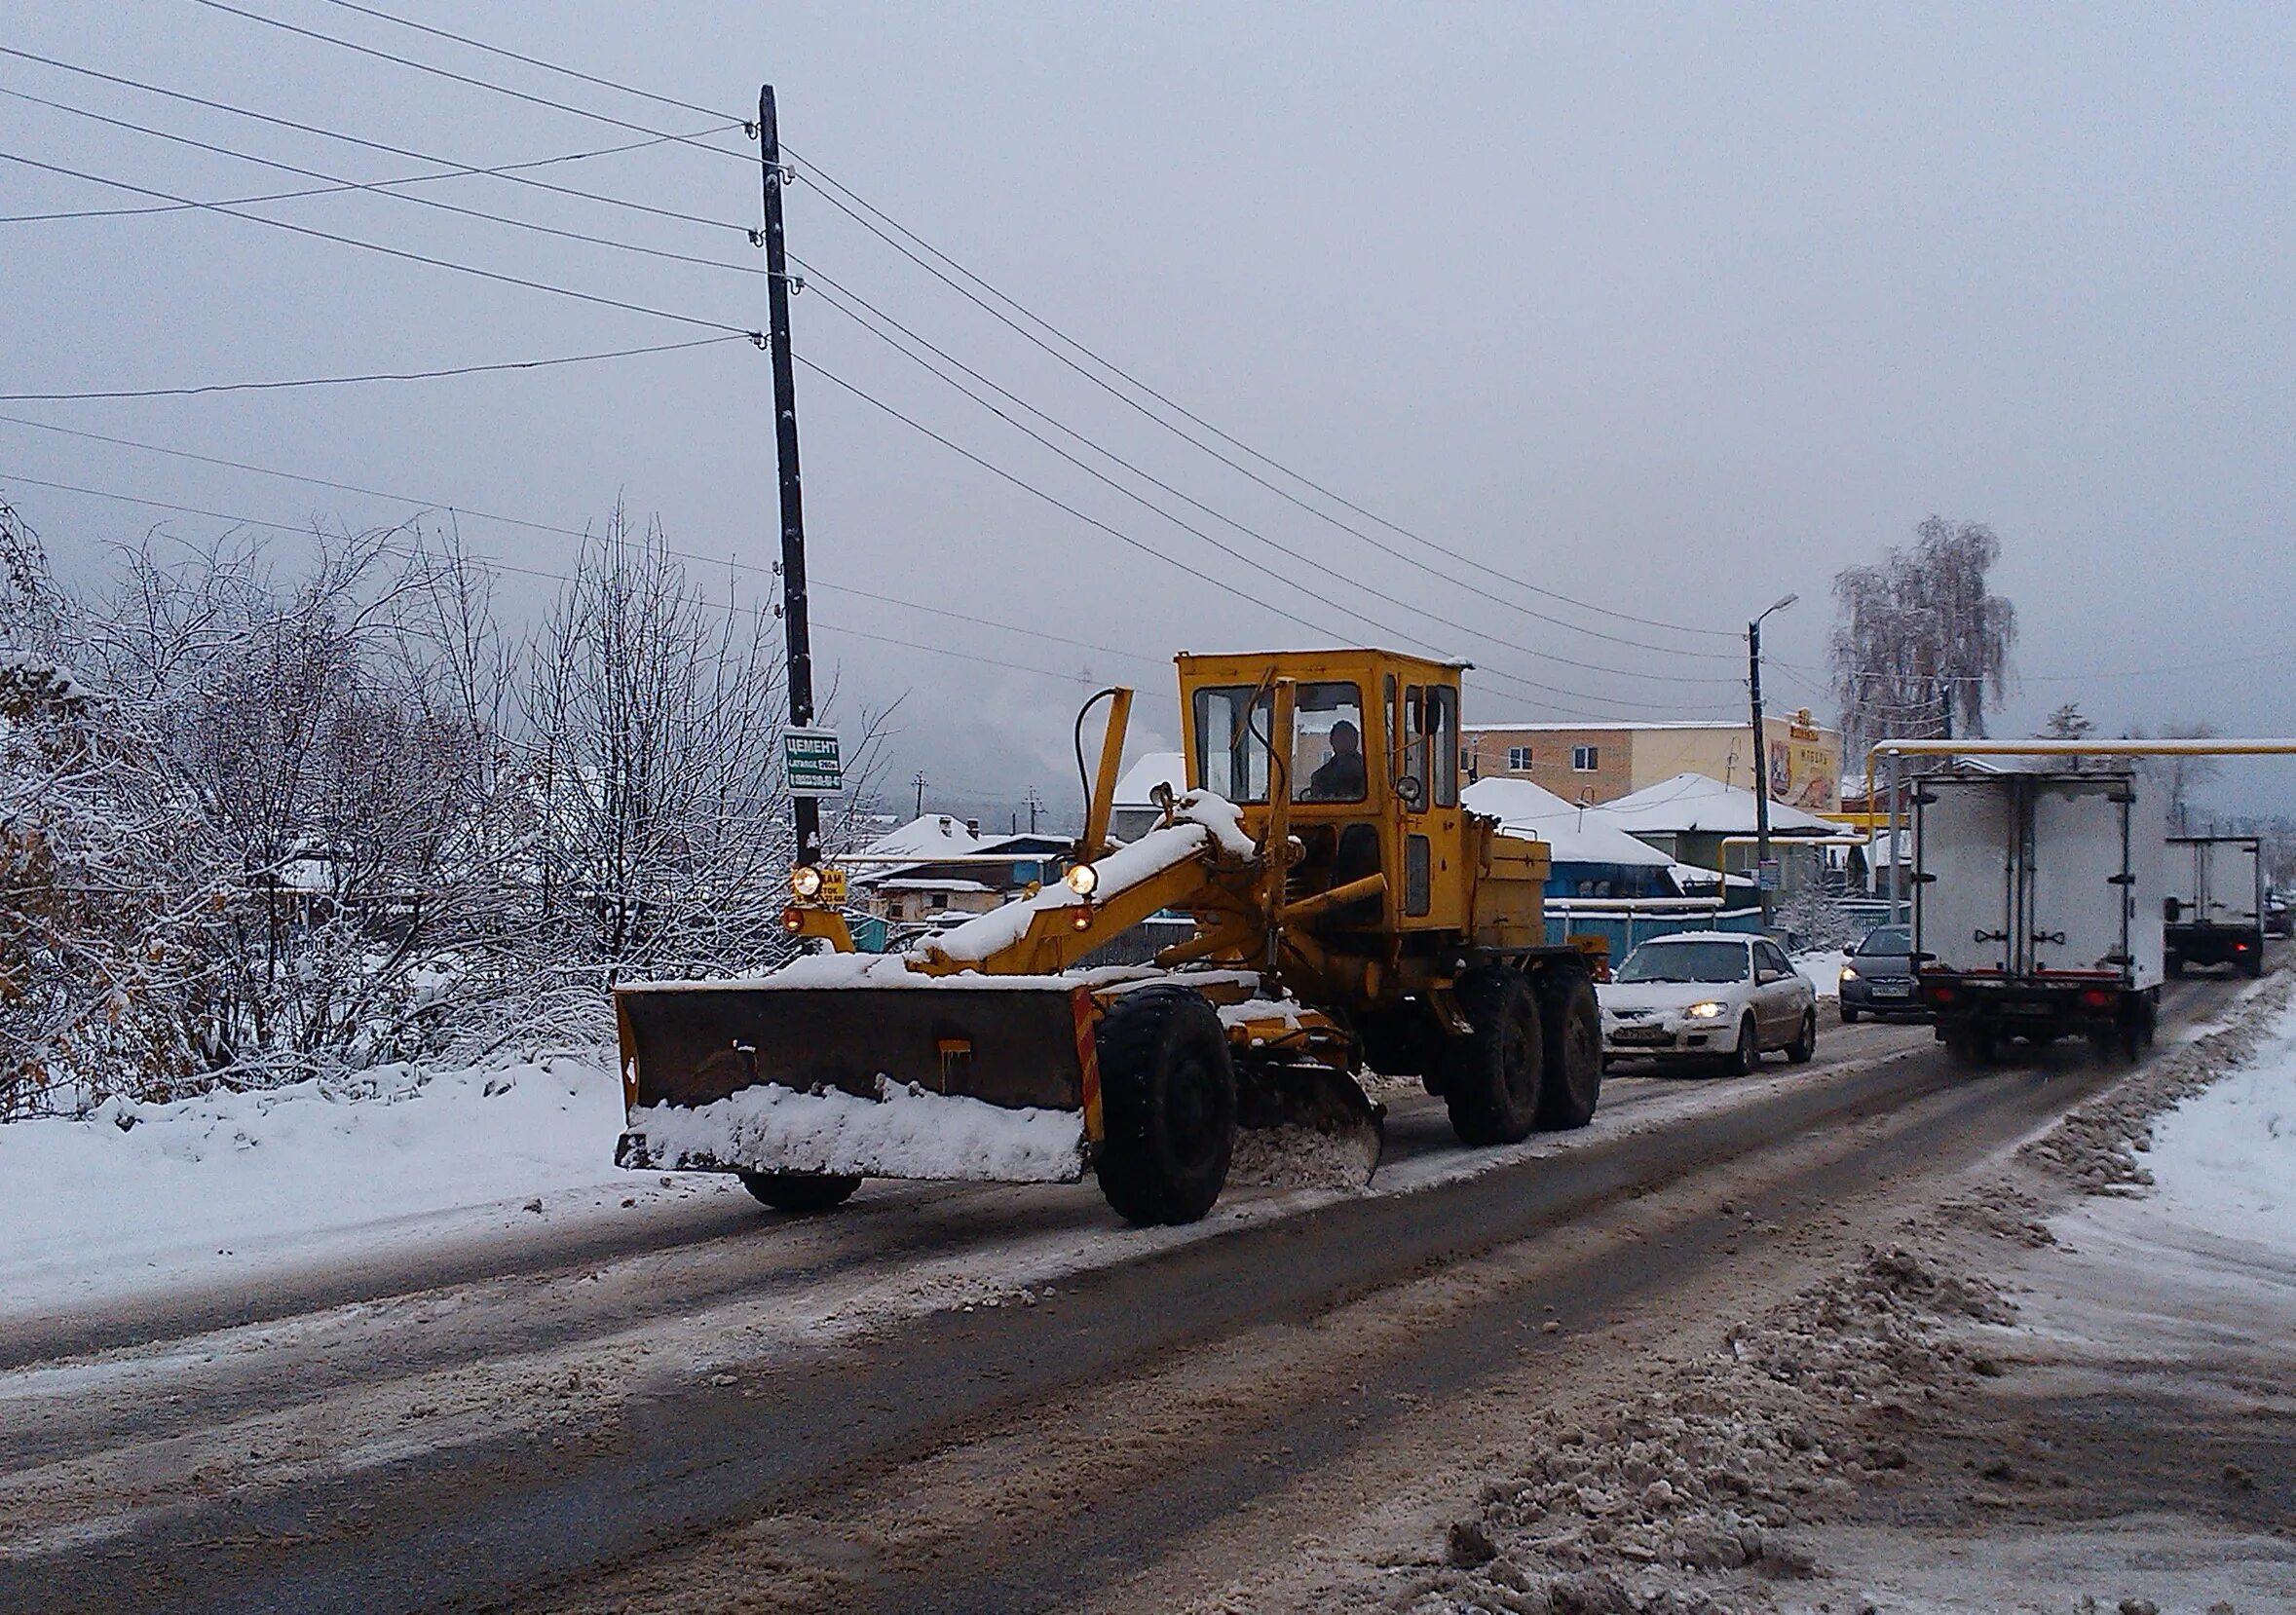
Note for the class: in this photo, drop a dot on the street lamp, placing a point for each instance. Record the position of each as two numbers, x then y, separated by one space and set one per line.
1762 757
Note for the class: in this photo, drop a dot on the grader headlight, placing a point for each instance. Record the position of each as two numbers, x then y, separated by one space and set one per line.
805 883
1083 879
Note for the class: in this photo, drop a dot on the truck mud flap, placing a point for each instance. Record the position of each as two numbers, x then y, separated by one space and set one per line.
991 1084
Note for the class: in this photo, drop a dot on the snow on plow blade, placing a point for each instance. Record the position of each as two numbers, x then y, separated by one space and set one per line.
991 1083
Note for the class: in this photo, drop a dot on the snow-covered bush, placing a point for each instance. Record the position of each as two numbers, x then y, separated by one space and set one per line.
268 815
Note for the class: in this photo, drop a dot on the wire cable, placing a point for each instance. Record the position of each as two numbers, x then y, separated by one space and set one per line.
850 211
370 376
836 295
497 564
324 133
861 202
496 171
393 251
1124 538
338 182
465 79
455 509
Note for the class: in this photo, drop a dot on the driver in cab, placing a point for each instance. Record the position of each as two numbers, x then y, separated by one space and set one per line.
1340 777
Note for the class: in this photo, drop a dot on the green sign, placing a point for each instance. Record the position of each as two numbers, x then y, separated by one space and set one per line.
810 760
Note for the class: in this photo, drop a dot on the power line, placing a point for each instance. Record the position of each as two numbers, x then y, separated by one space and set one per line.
531 62
380 188
837 296
371 376
504 172
862 202
497 564
393 252
464 78
1439 619
858 202
458 510
499 170
1146 548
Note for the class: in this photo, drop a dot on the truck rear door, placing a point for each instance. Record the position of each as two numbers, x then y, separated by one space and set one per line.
1964 844
2077 873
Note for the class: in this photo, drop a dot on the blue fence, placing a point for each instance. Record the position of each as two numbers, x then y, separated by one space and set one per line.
1623 922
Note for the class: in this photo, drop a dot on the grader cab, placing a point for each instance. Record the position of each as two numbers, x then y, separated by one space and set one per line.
1347 911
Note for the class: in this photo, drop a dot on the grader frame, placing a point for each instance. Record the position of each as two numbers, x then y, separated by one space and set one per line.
1345 905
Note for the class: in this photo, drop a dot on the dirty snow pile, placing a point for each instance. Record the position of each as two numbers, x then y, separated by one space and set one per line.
905 1132
138 1196
1304 1157
1686 1497
2095 1149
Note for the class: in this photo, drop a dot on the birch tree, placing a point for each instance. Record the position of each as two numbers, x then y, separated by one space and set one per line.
1921 647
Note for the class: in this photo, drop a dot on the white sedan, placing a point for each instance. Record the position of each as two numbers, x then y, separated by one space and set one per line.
1707 995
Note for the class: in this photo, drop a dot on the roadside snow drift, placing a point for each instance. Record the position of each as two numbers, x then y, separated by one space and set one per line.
2225 1159
149 1195
905 1132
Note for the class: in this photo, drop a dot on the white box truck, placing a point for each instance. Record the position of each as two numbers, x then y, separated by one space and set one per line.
2037 909
2214 907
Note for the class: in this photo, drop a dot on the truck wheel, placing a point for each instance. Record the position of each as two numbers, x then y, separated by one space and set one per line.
1748 1055
1804 1046
1168 1105
1490 1079
2252 962
801 1192
1571 1048
2173 965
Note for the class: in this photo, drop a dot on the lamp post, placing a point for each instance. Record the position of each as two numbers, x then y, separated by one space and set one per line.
1762 759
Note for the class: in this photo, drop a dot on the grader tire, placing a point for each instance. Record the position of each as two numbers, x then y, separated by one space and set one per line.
1571 1078
801 1192
1491 1075
1168 1105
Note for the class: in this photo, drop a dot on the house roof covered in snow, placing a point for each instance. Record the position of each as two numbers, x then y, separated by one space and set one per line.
1147 771
1697 804
1573 835
935 835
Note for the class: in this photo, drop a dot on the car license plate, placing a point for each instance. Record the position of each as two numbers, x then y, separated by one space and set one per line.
1641 1035
1893 990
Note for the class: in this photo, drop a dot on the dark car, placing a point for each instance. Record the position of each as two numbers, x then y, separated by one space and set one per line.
2278 918
1877 975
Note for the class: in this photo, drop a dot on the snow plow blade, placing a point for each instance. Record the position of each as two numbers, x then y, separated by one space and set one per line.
993 1083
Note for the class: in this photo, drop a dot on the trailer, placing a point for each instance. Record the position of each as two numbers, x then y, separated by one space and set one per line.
2037 909
2214 905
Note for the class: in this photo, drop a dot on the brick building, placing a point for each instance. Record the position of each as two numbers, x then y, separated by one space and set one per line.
1603 762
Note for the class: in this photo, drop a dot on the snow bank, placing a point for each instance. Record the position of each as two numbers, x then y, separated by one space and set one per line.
905 1132
146 1195
1823 970
2226 1158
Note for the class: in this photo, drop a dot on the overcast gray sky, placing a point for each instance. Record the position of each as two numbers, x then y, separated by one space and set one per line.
1671 309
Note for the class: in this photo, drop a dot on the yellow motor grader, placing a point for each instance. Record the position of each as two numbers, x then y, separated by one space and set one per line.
1347 911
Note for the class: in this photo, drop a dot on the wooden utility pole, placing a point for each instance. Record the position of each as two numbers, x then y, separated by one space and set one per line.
795 632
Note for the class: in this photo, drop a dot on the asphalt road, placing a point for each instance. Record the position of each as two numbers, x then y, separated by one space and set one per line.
661 1500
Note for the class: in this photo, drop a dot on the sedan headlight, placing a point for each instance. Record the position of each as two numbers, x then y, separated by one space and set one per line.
1704 1011
1849 972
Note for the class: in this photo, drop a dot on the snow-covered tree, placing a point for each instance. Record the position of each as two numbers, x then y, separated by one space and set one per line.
1921 647
663 828
2179 778
2067 723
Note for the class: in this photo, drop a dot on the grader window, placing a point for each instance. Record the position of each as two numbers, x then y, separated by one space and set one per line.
1326 761
1327 745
